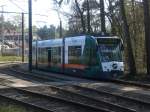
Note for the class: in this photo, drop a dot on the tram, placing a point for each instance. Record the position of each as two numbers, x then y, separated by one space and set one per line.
87 56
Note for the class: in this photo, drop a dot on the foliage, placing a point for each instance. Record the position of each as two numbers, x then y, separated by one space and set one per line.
85 17
17 22
46 33
9 26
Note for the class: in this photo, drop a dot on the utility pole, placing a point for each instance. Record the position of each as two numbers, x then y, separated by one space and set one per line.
88 17
30 34
63 47
2 30
22 37
63 42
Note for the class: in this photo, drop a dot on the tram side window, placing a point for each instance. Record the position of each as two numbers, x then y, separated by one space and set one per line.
56 55
39 55
33 53
74 54
42 57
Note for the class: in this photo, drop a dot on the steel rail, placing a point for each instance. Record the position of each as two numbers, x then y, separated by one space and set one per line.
90 107
25 75
78 104
113 94
116 107
43 76
22 103
119 81
131 83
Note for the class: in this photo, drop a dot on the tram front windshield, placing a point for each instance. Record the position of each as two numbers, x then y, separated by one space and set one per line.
110 49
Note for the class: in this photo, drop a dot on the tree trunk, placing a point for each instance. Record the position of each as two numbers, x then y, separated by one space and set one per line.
131 60
88 17
147 32
102 16
112 19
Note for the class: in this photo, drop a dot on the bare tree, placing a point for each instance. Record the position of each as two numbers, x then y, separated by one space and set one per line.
81 16
57 9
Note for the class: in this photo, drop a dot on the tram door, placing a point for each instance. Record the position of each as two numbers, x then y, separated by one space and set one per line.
49 57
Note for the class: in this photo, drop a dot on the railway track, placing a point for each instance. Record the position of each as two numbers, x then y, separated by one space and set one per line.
97 99
133 103
64 94
31 76
124 101
131 83
80 97
55 76
72 101
47 103
117 81
87 104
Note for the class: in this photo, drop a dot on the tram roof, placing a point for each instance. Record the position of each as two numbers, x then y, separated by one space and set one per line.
115 37
74 39
58 42
77 37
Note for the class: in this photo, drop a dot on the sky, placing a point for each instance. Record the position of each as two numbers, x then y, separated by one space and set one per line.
45 8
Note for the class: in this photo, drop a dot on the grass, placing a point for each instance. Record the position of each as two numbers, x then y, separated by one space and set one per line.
10 58
11 108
